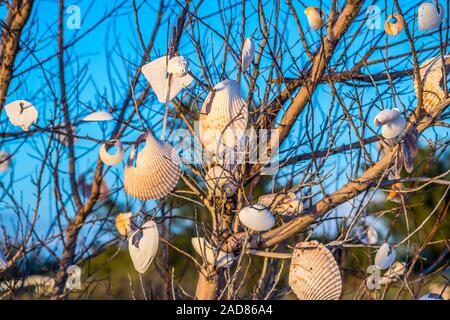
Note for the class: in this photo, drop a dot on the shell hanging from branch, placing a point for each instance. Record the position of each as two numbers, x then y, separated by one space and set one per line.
157 171
284 204
21 113
123 223
316 17
256 218
248 53
314 273
220 181
212 256
391 121
223 117
385 256
98 116
111 159
5 161
430 15
143 246
394 24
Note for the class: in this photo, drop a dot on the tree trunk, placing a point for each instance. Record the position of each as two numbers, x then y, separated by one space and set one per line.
206 285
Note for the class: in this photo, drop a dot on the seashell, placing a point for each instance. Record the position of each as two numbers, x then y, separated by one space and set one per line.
248 53
123 223
385 256
431 296
430 15
223 117
21 113
98 116
156 73
394 272
396 195
143 246
220 181
314 273
394 24
5 161
156 173
393 129
385 116
368 234
212 256
284 204
109 159
178 66
256 218
3 262
316 17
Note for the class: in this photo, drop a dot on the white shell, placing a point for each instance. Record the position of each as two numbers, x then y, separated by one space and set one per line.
431 296
5 161
315 17
284 204
223 117
314 273
393 129
385 116
123 223
256 218
430 15
143 246
156 73
111 159
216 257
21 113
368 235
98 116
394 24
393 274
220 181
248 53
3 261
178 66
156 173
385 256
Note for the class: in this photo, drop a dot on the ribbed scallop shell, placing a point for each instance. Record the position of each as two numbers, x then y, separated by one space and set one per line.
21 113
223 117
98 116
220 181
385 256
284 204
314 273
394 24
430 16
111 159
316 17
256 218
143 246
4 161
248 53
156 173
204 249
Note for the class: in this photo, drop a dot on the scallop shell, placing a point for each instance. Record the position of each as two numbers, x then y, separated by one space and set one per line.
394 24
316 17
111 159
204 249
220 181
284 204
223 117
21 113
248 53
143 246
156 173
368 235
5 160
156 73
123 223
385 256
430 16
178 66
98 116
314 273
3 262
256 218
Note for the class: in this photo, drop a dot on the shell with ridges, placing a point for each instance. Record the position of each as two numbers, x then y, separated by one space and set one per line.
21 113
248 53
204 249
394 24
157 171
256 218
143 246
3 262
220 181
314 273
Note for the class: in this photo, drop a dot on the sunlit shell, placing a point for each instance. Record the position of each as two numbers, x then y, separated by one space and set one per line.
21 113
248 53
212 256
220 181
430 15
111 159
395 195
3 262
156 73
316 17
314 273
394 24
431 296
256 218
368 234
393 274
123 223
223 117
385 116
156 173
178 66
282 203
385 256
98 116
5 160
143 246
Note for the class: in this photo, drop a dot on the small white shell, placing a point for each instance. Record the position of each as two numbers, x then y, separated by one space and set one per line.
316 17
431 296
430 16
156 73
212 256
314 273
111 159
98 116
394 128
284 204
3 261
385 256
5 161
21 113
220 181
368 234
385 116
393 274
223 117
123 223
143 246
394 24
178 66
248 53
256 218
157 171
